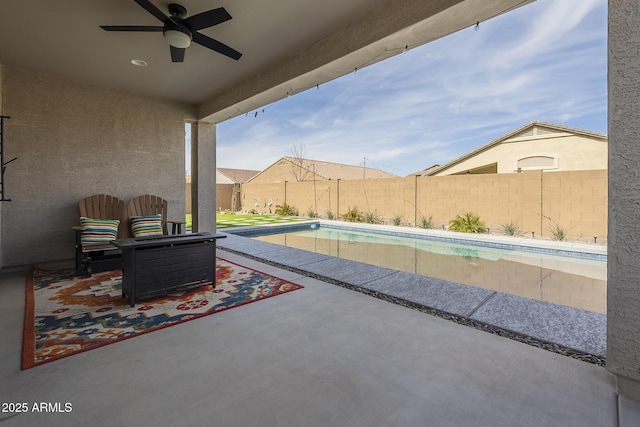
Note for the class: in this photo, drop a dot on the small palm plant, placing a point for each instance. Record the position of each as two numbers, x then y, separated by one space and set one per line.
469 223
286 209
352 215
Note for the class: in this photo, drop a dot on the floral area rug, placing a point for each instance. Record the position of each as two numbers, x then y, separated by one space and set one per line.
66 314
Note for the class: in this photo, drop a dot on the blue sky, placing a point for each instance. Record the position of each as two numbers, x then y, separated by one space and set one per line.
546 61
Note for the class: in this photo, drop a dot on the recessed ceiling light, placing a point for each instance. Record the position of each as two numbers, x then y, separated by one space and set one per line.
138 62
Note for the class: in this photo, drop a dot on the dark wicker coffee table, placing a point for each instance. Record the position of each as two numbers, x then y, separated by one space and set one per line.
154 266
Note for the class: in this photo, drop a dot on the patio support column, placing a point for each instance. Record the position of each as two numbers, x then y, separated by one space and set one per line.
203 176
623 319
1 112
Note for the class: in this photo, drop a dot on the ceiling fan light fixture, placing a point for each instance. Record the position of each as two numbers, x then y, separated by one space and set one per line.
177 38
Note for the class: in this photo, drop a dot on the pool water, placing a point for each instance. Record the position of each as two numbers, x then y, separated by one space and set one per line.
571 281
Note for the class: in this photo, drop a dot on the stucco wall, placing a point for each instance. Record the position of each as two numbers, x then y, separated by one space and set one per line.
73 140
623 323
576 201
573 152
1 113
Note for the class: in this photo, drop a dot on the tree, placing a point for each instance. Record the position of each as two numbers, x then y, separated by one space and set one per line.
299 161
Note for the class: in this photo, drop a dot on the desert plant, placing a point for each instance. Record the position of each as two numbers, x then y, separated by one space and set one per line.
558 232
352 215
397 219
330 215
311 213
510 228
372 218
286 209
469 223
426 222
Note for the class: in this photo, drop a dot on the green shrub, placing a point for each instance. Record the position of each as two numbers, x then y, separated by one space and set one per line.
510 228
469 223
311 213
352 215
426 222
286 209
558 232
330 215
372 218
397 219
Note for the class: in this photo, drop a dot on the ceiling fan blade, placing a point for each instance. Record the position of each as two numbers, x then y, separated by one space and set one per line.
149 7
215 45
131 28
177 54
207 19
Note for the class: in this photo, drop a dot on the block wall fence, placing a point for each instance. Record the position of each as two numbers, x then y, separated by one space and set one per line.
224 193
576 201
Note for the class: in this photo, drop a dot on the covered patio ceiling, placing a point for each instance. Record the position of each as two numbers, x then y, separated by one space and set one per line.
286 45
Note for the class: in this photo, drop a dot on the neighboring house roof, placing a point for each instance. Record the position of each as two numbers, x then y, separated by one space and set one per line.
231 176
425 172
330 170
521 131
237 175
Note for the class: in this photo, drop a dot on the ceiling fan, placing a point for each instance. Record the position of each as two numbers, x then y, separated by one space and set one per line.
179 31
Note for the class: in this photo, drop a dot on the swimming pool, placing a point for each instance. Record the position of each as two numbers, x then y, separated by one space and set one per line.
575 281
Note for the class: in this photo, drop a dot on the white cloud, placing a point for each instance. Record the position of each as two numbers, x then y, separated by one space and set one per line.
544 61
550 26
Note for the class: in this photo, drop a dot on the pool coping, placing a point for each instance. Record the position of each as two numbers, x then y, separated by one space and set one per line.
483 240
565 330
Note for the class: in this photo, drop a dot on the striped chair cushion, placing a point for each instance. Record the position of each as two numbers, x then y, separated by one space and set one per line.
98 230
148 225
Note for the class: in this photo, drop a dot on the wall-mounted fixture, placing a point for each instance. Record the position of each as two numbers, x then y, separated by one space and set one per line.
3 164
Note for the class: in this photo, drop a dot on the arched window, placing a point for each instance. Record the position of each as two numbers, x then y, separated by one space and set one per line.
537 163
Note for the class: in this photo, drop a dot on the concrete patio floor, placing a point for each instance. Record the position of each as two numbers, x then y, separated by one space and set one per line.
556 327
320 356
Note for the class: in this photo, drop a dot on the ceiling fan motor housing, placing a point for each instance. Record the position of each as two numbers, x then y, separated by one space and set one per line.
170 26
177 11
